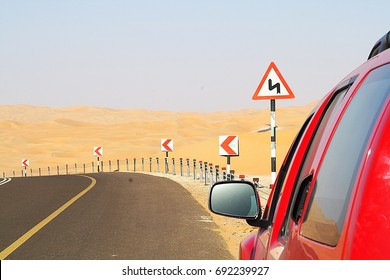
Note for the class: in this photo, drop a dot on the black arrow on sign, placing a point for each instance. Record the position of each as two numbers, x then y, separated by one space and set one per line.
271 87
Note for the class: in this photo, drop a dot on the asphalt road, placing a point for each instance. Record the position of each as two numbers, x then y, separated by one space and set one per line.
124 216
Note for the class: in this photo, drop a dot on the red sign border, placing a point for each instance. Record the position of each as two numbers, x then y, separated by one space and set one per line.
259 87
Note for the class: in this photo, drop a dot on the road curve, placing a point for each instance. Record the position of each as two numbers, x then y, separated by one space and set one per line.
124 216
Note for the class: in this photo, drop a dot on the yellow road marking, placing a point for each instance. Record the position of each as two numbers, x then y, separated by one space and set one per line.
5 253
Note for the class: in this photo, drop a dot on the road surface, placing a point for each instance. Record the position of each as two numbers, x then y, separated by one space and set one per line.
105 216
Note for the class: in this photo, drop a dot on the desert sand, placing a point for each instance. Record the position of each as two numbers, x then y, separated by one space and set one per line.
51 137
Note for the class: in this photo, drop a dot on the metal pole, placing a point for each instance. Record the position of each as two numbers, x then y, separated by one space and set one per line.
173 167
211 175
273 141
205 172
194 169
166 163
228 172
201 170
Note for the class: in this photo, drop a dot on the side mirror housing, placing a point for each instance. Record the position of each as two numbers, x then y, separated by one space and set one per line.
238 199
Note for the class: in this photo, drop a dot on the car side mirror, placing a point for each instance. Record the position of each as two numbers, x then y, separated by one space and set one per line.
237 199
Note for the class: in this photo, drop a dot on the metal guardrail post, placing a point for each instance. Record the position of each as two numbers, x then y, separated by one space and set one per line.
232 175
173 167
201 170
211 175
205 173
194 169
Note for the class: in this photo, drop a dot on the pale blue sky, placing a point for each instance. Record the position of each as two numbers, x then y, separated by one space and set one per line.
201 56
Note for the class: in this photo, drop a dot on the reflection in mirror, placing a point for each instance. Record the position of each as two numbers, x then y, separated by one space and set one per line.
235 199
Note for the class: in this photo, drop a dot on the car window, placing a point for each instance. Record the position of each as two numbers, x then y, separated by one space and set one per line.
327 115
332 189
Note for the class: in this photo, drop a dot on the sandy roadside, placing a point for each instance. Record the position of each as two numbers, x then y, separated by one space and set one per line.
233 231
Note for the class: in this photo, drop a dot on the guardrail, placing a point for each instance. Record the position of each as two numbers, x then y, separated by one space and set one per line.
199 170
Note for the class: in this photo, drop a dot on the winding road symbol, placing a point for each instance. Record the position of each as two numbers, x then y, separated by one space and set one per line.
272 80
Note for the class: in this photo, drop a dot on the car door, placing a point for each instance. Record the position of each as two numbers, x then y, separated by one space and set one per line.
299 170
261 244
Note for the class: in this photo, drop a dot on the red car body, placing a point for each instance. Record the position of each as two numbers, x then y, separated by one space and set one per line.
331 198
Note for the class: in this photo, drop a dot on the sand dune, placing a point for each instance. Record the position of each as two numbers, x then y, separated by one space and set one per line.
59 136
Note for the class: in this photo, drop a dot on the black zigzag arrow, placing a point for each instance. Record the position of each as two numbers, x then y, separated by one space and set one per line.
271 87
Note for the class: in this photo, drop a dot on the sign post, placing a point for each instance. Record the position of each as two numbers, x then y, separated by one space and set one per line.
273 140
25 164
273 86
228 147
98 152
166 146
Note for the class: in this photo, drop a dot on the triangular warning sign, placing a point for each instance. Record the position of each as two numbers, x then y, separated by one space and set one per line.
273 86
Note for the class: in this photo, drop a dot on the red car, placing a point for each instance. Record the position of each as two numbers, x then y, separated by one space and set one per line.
331 198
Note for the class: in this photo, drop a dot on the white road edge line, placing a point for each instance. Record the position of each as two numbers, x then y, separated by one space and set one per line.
5 181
